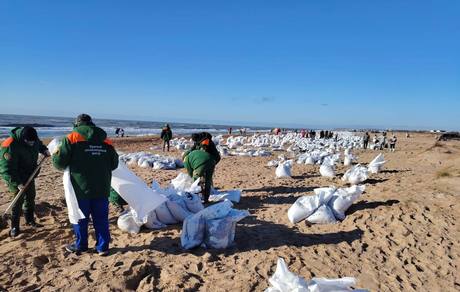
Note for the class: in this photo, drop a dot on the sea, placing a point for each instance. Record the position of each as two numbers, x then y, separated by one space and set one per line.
48 127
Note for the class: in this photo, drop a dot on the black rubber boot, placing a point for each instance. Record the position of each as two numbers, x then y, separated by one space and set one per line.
15 217
30 219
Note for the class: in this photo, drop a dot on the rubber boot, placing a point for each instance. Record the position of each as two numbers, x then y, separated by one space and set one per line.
30 219
15 217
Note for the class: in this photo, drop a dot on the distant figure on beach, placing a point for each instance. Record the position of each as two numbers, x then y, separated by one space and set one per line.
230 130
117 132
321 134
375 140
91 158
18 160
122 132
393 141
166 136
407 135
303 133
366 140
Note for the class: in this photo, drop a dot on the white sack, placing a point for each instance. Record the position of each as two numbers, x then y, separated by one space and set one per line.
128 222
307 205
322 215
164 215
153 222
220 233
178 210
284 169
73 209
193 228
376 165
231 195
356 175
327 170
285 281
342 199
135 191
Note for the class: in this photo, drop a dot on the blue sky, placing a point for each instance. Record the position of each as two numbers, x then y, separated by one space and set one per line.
392 64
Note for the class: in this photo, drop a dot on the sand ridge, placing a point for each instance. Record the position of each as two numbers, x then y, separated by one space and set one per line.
402 235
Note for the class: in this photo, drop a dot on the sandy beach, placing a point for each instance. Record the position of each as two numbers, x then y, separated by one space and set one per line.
402 234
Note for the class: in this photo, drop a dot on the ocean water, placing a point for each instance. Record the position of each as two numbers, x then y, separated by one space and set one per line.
59 126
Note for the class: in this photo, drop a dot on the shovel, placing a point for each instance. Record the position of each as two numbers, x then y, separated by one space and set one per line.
21 192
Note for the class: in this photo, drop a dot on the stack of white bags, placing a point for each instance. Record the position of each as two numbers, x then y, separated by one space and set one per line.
356 174
148 160
285 281
326 206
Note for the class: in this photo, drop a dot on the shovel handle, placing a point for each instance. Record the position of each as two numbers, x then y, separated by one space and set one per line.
29 180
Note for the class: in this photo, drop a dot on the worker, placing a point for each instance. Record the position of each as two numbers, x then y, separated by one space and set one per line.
18 160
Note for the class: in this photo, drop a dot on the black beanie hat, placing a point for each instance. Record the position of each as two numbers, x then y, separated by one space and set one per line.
83 118
29 134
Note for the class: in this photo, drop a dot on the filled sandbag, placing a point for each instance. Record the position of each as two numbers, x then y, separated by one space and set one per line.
342 199
164 215
376 165
220 233
128 222
284 169
193 202
193 228
322 215
327 168
153 222
307 205
356 175
184 183
178 210
135 191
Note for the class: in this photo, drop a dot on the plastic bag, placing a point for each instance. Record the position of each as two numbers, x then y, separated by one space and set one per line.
73 209
307 205
178 210
231 195
128 222
285 281
284 169
356 175
342 199
184 183
135 191
322 215
164 215
376 165
153 222
193 202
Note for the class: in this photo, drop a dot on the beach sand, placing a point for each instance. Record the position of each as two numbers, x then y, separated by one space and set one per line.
402 235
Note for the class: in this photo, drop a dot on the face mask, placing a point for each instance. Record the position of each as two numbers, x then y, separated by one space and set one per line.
30 143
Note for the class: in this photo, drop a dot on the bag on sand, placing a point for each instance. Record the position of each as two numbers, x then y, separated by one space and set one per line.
128 222
135 191
153 222
356 175
220 233
231 195
327 168
322 215
284 280
284 169
376 165
164 215
342 199
307 205
184 183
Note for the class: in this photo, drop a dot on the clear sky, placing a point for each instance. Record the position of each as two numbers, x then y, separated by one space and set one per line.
392 64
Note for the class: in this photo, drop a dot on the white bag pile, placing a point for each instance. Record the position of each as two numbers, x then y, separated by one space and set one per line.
284 169
327 168
376 165
284 280
356 174
326 206
148 160
212 227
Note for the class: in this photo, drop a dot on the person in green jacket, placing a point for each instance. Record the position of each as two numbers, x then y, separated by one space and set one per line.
200 164
18 160
91 158
166 136
116 200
